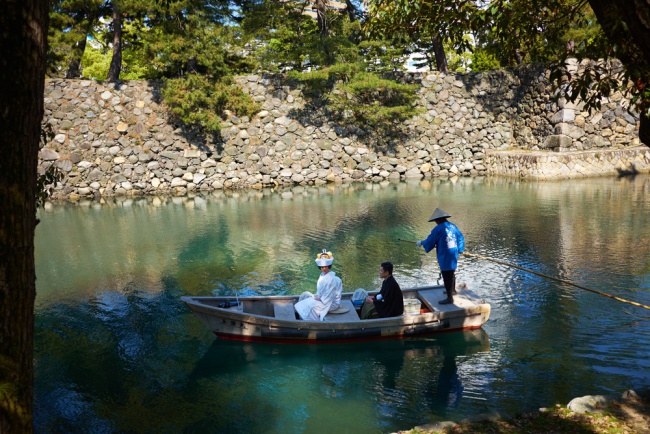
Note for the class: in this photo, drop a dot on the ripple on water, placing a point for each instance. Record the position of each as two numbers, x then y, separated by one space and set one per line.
109 280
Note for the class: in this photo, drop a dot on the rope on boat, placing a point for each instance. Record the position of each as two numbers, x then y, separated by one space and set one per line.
566 282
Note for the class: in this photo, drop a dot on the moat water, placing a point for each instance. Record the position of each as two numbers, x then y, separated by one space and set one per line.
116 350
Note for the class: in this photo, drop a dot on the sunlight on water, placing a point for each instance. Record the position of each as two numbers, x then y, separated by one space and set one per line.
109 278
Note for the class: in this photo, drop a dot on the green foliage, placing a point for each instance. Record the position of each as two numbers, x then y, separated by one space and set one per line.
482 60
417 24
95 63
282 35
286 39
189 36
71 22
459 61
363 98
531 31
184 38
381 55
342 68
199 100
325 79
373 101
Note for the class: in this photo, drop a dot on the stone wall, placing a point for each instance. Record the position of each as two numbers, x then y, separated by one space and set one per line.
119 140
571 164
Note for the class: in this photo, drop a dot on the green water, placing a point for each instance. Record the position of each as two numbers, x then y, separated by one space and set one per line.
116 350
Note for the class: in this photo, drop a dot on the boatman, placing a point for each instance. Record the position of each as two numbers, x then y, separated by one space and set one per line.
389 302
448 242
328 291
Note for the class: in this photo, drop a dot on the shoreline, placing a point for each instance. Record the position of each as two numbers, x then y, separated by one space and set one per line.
627 413
288 191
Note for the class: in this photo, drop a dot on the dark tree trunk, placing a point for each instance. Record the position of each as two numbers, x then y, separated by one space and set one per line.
116 62
74 70
441 58
634 14
351 10
192 65
23 46
323 29
626 24
321 17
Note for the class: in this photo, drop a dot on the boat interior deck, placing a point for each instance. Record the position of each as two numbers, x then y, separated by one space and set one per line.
350 315
464 299
284 309
430 299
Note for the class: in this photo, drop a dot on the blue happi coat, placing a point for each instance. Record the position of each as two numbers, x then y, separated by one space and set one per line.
448 241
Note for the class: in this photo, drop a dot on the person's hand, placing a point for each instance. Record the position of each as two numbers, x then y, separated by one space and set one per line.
418 243
369 299
317 298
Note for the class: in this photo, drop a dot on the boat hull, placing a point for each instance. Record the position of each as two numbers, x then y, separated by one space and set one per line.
271 319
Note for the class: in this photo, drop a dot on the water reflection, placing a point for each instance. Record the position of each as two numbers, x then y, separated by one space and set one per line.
226 242
115 348
401 377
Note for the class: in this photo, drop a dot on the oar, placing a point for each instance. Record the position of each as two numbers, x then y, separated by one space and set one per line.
566 282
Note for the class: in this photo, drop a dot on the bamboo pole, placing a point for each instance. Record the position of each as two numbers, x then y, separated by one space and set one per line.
566 282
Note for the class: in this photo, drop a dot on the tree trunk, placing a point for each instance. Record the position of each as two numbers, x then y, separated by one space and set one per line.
323 30
626 24
192 65
23 47
74 70
634 14
116 62
351 10
321 17
441 58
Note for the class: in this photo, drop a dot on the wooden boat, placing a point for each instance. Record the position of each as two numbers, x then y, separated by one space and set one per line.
273 319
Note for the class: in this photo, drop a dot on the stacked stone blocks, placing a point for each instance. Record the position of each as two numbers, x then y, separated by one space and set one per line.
120 140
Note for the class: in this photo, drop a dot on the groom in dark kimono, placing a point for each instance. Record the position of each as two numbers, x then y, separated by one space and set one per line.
389 302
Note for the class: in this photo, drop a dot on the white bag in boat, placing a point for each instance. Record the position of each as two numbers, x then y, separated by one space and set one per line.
359 296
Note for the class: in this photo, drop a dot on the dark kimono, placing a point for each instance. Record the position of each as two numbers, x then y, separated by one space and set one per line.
392 302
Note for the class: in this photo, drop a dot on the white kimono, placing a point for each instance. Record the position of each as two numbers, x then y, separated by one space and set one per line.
329 290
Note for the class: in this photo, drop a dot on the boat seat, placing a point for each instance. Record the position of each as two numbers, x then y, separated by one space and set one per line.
284 311
350 315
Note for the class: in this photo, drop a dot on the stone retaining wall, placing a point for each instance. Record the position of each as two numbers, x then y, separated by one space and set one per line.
572 164
119 140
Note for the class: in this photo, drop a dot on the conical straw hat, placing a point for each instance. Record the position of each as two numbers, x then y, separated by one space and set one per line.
438 214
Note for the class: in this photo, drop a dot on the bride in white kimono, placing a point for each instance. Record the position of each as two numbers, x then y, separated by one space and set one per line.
328 292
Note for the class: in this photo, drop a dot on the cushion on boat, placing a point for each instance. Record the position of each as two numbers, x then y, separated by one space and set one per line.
340 309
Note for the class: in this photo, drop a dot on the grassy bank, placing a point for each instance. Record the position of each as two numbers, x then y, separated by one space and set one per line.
629 416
